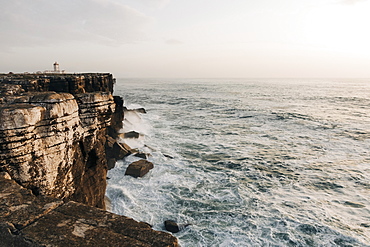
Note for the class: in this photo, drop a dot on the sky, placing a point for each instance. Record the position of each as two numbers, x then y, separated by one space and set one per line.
188 39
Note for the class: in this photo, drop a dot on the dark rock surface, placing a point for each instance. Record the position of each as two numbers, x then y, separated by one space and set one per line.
139 168
29 220
140 110
174 227
131 134
141 155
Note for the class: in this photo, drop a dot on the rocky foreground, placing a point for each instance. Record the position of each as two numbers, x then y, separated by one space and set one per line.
57 139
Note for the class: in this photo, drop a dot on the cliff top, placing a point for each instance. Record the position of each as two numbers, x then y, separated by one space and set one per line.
68 83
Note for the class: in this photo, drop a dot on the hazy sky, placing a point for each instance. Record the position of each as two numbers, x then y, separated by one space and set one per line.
192 38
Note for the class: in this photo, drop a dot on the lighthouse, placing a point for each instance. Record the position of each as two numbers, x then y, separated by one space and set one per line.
56 67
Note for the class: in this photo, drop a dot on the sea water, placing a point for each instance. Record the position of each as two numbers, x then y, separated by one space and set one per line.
250 162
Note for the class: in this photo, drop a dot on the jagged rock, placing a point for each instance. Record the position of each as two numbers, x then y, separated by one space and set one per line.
119 151
131 134
168 156
172 226
9 89
35 221
141 155
139 168
140 110
111 163
110 141
20 207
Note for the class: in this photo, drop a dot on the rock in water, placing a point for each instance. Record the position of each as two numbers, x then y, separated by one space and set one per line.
131 134
141 155
140 110
172 226
139 168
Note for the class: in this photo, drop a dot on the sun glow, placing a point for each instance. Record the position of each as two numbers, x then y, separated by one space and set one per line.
339 28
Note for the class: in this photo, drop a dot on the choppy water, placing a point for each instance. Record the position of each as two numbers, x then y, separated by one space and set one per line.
255 162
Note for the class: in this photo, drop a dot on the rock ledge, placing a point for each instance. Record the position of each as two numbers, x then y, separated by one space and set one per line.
33 221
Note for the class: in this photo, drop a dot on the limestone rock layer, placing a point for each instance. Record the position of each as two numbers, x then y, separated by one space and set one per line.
54 130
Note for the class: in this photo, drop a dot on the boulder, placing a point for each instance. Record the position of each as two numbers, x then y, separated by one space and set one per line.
139 168
131 134
173 227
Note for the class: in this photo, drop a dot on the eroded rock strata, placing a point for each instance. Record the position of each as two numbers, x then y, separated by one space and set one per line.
57 137
53 133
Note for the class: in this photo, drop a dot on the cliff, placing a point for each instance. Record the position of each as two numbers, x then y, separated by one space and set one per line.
57 134
53 133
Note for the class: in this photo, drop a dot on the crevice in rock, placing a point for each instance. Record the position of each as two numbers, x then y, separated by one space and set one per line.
35 190
92 159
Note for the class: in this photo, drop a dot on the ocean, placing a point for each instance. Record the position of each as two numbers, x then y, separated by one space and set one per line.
250 162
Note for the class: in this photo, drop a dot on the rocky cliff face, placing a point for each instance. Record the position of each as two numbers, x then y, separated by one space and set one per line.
57 133
54 130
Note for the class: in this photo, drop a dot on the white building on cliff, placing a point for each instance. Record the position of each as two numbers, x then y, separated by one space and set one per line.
56 69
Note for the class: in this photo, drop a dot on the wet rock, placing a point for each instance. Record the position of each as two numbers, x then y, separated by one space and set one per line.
131 134
367 225
111 163
120 150
173 227
141 155
354 204
139 168
140 110
168 156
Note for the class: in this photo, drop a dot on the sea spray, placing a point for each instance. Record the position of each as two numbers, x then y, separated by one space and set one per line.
133 123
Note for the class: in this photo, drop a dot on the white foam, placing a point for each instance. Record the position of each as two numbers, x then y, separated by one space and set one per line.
134 121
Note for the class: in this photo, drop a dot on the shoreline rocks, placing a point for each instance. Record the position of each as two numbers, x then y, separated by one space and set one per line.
174 227
139 168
